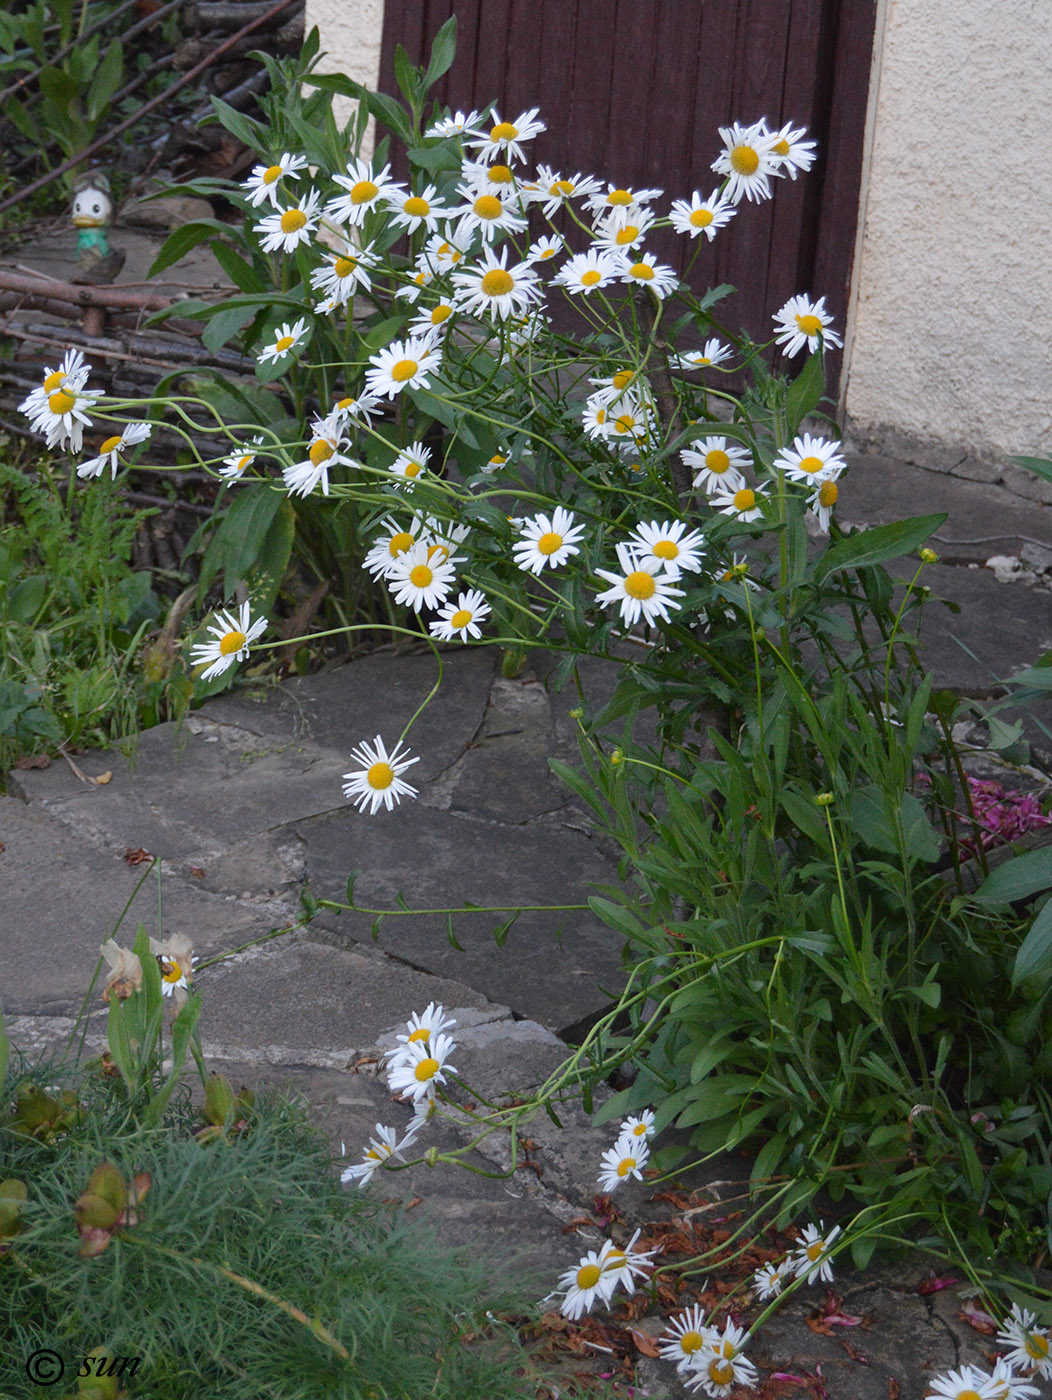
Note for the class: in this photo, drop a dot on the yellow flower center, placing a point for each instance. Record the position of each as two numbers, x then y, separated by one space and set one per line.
744 499
272 173
460 618
664 549
437 551
562 187
1036 1344
233 641
380 776
320 451
343 267
170 971
243 462
619 197
639 584
744 160
700 218
625 422
500 175
967 1395
810 465
283 343
426 1069
591 277
420 576
814 1250
827 493
421 1033
717 461
488 206
54 381
622 379
600 416
413 469
421 279
588 1275
440 314
497 282
504 131
110 445
416 205
781 148
691 1342
702 360
497 460
61 402
721 1372
628 1164
810 325
292 219
616 1259
642 271
549 543
403 370
363 191
626 235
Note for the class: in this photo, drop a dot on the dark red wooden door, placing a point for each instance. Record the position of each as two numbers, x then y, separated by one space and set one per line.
634 91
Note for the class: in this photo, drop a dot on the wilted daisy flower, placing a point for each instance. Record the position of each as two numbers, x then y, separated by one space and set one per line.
410 211
968 1383
494 289
641 589
325 451
176 962
625 1159
584 1286
623 228
486 214
411 462
1031 1345
670 545
747 161
419 578
744 504
262 184
461 618
420 1068
638 1125
588 272
811 459
1006 1385
769 1280
422 1025
547 539
283 341
626 1264
802 322
616 197
657 277
713 353
551 190
381 1149
404 364
455 125
696 215
379 777
231 636
791 151
108 453
364 188
821 501
235 466
345 269
684 1337
504 137
719 1365
717 466
812 1259
286 229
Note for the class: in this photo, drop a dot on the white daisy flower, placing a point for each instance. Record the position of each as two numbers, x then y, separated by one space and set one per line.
286 229
422 1025
744 504
631 421
719 1366
444 537
657 277
434 320
262 184
625 1159
821 501
1008 1386
176 973
108 453
747 160
73 370
404 364
422 278
638 1125
324 452
60 412
444 251
364 187
486 214
812 1259
696 215
641 589
381 1149
494 289
231 637
419 578
623 228
626 1264
411 463
388 546
714 352
357 408
345 269
1031 1345
967 1383
543 250
588 272
235 466
283 341
461 618
769 1280
609 389
547 539
495 179
504 137
615 197
671 545
793 153
685 1336
552 190
422 1068
811 459
526 330
410 211
584 1286
717 466
379 776
802 322
455 125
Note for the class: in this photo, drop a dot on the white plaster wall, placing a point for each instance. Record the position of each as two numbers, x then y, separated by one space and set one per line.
351 38
953 303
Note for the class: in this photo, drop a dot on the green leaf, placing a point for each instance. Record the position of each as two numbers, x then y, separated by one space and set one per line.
106 81
225 324
805 392
617 917
27 598
435 159
235 547
443 51
1040 466
250 133
406 75
1018 878
183 240
1035 951
243 276
877 544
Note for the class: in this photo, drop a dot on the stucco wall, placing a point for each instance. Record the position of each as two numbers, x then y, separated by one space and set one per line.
953 310
351 37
